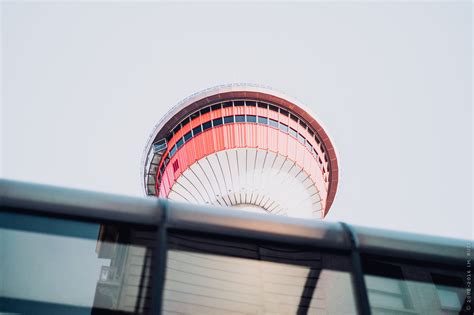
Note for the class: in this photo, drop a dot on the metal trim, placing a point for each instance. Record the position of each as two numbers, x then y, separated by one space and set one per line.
101 207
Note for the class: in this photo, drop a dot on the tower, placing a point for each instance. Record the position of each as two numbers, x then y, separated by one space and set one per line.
240 146
243 146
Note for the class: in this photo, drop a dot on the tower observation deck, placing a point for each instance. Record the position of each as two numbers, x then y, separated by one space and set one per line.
243 146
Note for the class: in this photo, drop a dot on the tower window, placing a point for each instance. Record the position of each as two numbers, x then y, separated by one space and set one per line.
206 125
188 136
273 123
250 103
197 130
228 119
262 120
293 132
251 118
217 121
180 143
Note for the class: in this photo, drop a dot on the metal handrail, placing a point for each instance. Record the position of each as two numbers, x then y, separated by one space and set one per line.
103 207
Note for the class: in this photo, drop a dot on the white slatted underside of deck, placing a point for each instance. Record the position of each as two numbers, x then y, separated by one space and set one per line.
247 178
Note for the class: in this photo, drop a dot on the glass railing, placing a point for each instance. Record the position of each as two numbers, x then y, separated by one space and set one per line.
70 252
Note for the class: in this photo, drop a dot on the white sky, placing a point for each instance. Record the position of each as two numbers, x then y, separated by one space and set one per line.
84 83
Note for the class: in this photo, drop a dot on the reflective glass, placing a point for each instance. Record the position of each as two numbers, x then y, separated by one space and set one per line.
206 125
228 119
250 103
301 138
239 118
273 123
172 151
205 110
263 120
217 122
188 136
273 108
197 130
215 107
283 127
293 132
222 276
404 288
55 266
251 118
180 143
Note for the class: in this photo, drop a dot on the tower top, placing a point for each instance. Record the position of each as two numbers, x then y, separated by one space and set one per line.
243 145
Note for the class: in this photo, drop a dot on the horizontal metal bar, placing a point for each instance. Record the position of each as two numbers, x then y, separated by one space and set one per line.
238 223
74 203
102 207
411 246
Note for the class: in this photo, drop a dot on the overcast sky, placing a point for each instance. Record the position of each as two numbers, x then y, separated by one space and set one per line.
83 85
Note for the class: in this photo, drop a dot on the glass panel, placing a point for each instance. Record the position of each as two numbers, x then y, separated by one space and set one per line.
386 300
205 110
180 143
197 130
301 138
262 105
217 122
194 115
263 120
223 276
293 132
250 103
273 107
228 119
227 104
177 128
450 290
448 297
273 123
206 125
55 266
283 127
215 107
239 118
188 136
172 151
403 288
251 118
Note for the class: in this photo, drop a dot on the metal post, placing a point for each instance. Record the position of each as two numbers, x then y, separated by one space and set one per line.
159 256
358 281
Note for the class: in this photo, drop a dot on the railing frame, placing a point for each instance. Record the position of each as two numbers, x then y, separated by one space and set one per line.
164 215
